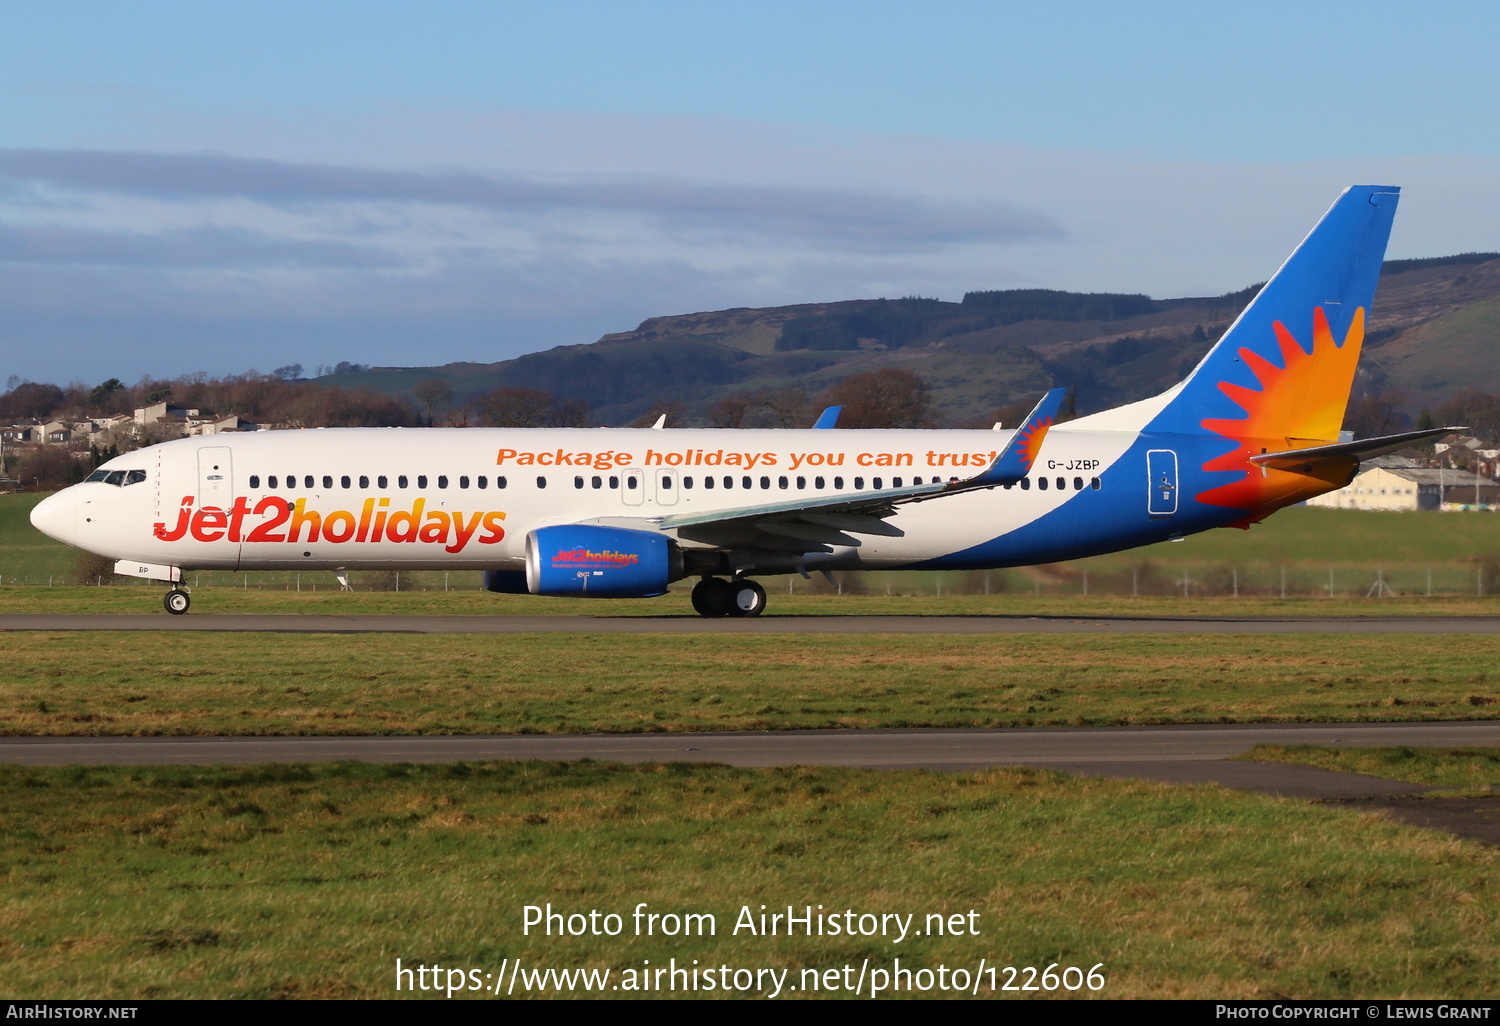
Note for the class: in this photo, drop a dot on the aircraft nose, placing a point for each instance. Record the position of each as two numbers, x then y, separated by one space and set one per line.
55 515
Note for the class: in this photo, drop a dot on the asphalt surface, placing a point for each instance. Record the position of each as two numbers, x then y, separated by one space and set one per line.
1180 754
375 623
1184 754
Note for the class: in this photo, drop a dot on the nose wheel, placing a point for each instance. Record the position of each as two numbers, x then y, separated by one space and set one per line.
176 601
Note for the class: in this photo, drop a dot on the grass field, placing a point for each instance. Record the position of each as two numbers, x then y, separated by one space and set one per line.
310 881
124 683
1465 770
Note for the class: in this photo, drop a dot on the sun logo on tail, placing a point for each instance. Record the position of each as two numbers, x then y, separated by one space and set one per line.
1298 404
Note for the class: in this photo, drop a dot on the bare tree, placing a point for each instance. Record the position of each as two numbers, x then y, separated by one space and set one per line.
434 394
730 412
515 407
886 398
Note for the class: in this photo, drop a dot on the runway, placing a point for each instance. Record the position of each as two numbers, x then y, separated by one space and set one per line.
1175 754
356 623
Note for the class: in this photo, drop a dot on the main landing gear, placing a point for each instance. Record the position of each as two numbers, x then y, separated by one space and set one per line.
714 596
177 601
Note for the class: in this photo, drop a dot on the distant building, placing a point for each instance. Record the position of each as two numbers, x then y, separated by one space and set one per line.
1390 483
191 421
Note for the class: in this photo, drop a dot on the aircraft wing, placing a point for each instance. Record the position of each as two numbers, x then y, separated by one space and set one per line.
812 524
1345 454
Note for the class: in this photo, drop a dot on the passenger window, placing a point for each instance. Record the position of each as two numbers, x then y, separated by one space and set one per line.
1025 484
401 481
687 482
708 482
577 482
442 480
541 482
614 482
1062 484
666 481
745 482
328 481
765 482
817 482
254 480
630 482
500 481
838 483
876 484
1041 483
895 482
781 482
916 480
1078 484
482 481
421 480
801 484
1094 484
382 482
344 481
271 481
308 482
859 484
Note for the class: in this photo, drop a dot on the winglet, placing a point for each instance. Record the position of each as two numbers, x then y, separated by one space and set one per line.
1020 452
829 417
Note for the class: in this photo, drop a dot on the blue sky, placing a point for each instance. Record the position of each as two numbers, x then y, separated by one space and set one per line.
220 186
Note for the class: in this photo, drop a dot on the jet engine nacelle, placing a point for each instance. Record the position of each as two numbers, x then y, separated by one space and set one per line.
600 562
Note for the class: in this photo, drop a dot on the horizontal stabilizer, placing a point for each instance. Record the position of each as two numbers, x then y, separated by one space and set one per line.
1304 461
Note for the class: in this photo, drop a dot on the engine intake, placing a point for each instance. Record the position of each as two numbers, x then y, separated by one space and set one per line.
600 562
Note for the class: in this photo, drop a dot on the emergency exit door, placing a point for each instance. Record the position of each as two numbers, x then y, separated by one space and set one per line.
1161 471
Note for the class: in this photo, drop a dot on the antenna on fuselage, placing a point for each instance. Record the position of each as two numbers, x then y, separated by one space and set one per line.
661 422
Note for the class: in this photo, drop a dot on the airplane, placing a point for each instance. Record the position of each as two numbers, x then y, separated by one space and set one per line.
625 512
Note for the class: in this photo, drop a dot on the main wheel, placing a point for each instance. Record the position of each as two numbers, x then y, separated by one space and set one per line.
713 596
176 601
749 598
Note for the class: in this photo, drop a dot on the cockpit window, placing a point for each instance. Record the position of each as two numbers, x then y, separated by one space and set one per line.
117 477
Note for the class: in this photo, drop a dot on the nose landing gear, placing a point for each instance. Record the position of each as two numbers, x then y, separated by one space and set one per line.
714 597
177 601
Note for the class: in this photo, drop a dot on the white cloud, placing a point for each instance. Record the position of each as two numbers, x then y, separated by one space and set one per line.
311 239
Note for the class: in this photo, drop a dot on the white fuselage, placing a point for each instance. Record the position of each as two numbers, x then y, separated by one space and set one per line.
465 498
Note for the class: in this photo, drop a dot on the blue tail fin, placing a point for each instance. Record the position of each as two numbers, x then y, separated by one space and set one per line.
1284 368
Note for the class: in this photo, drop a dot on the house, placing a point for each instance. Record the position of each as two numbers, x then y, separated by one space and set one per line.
1392 483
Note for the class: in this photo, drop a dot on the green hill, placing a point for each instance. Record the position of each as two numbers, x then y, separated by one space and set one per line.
1435 329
